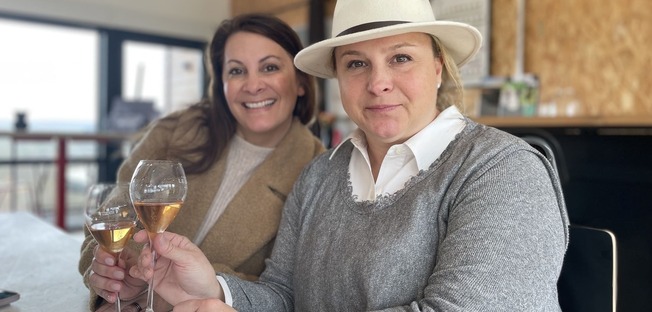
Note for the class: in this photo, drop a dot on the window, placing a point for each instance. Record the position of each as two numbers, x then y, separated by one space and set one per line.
50 74
64 77
171 77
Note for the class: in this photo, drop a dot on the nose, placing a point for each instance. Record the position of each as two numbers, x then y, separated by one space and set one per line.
254 84
380 80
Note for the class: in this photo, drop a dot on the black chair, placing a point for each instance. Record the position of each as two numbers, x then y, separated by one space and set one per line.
589 274
547 144
542 146
550 150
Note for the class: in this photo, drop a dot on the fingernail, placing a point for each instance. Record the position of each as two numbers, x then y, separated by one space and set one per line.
119 275
109 261
115 286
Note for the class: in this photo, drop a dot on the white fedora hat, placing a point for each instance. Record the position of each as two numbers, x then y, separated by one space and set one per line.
360 20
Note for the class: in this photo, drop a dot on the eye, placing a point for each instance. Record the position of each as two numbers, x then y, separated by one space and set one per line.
270 68
235 71
402 58
355 64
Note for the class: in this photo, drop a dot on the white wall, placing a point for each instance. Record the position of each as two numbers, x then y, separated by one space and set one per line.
191 19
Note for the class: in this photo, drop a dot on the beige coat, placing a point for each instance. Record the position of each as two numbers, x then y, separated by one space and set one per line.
244 234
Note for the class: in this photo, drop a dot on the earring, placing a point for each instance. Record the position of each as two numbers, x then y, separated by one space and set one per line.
438 85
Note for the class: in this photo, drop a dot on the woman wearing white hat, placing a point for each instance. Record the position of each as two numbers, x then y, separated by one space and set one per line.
421 209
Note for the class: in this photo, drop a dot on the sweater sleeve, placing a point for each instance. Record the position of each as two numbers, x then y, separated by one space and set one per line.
502 242
273 292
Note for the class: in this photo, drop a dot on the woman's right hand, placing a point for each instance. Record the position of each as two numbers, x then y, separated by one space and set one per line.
203 305
182 270
107 278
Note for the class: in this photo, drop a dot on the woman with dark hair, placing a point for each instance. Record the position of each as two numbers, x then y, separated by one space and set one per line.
242 149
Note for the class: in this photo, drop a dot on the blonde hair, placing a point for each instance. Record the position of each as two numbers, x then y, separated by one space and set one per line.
451 91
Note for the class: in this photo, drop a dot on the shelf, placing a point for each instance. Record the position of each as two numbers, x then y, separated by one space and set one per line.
564 122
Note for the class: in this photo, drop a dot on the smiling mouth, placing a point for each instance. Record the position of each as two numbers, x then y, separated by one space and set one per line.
261 104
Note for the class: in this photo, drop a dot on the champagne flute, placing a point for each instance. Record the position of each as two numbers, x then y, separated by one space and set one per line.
157 189
110 217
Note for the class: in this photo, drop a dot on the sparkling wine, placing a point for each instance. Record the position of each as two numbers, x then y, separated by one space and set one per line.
156 217
113 236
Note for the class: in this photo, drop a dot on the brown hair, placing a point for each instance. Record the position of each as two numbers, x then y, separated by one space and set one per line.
216 117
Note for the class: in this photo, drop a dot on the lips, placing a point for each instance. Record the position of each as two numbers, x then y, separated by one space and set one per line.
261 104
382 107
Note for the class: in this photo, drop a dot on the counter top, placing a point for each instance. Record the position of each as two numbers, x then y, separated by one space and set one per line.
39 261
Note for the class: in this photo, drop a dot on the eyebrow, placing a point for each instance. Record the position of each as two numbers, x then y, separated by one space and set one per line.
264 59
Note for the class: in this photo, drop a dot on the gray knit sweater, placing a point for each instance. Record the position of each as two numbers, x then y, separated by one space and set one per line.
483 229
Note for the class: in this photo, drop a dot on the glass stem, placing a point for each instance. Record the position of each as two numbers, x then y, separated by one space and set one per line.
118 308
150 286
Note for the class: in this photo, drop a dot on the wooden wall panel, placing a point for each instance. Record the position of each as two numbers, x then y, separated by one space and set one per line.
596 50
503 37
294 12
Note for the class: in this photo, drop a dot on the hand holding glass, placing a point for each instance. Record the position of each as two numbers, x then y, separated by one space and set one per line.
158 189
110 218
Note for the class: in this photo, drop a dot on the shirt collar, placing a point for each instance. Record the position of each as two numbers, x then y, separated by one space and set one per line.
427 144
357 139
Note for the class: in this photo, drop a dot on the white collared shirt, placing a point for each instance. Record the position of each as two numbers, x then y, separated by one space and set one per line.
402 161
